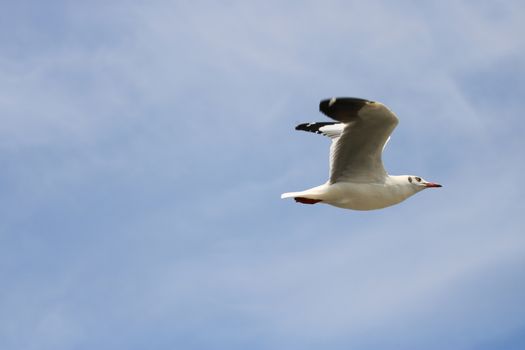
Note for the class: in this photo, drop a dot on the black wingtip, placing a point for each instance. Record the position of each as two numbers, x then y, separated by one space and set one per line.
303 126
342 108
313 127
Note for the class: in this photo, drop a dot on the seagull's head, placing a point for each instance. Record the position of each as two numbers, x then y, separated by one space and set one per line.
419 183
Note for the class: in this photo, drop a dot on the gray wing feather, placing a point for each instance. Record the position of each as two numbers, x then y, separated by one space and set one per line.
356 155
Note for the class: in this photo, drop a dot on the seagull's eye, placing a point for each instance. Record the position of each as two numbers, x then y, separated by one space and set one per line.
410 179
418 179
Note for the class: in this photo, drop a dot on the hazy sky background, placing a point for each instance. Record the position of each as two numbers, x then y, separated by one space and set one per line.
144 146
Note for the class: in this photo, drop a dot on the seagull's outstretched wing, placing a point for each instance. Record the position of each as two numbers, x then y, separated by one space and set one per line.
355 153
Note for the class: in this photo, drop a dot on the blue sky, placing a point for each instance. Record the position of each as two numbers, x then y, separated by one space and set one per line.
144 146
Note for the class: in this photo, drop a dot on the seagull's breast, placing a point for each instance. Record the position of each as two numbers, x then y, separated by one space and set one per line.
365 196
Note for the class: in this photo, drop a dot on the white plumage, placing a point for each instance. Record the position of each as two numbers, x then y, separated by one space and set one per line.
358 179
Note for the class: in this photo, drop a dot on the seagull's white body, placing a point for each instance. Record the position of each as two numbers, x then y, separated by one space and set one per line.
358 179
359 196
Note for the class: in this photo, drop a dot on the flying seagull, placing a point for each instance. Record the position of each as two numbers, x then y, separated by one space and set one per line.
358 179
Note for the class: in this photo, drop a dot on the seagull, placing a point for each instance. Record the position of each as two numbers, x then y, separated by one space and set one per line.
358 179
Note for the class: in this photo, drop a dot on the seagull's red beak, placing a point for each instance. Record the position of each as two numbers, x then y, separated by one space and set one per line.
431 184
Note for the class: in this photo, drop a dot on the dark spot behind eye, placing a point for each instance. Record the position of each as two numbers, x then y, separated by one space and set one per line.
410 179
418 179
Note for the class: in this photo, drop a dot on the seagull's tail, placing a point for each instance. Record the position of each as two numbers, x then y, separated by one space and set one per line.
305 197
290 194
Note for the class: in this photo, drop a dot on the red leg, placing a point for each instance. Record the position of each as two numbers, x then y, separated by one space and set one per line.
306 200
